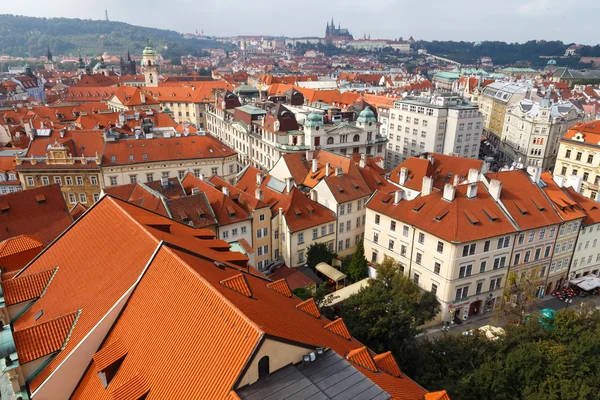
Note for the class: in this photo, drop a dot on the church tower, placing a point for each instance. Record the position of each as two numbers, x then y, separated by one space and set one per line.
149 66
49 64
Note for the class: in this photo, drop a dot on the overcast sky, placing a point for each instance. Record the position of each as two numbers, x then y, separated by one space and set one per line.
471 20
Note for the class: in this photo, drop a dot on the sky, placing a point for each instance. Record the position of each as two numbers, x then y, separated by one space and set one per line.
469 20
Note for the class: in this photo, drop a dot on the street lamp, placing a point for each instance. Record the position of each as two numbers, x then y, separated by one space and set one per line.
568 301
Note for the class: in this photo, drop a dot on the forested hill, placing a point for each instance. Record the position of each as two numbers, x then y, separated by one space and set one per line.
28 36
533 52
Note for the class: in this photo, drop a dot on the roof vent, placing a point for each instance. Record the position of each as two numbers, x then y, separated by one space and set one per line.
280 286
339 328
239 284
362 357
387 363
309 307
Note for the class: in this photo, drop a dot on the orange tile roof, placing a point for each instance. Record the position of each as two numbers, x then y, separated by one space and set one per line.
387 363
447 220
88 94
442 395
567 208
362 357
379 101
18 290
247 182
301 213
134 389
247 201
589 133
590 207
132 96
442 166
19 244
238 283
310 307
161 149
110 353
281 286
196 92
25 215
524 200
338 327
77 210
45 338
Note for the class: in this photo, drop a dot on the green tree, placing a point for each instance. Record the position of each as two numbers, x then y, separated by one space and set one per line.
318 253
519 295
359 267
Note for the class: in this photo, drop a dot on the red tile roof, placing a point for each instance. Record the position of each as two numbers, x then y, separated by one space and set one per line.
18 244
338 327
281 286
590 207
45 338
301 213
18 290
567 208
24 215
132 97
294 277
362 357
77 210
310 307
387 363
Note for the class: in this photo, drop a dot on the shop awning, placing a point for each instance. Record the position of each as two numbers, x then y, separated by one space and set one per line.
330 272
588 282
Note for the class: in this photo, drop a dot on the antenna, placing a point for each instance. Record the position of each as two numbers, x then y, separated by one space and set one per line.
106 13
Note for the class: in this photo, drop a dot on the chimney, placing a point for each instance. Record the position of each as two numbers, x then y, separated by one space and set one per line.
313 195
398 195
403 175
456 180
574 181
473 175
495 189
164 181
560 181
536 174
363 161
258 193
259 178
195 191
430 158
201 177
427 186
225 190
327 169
314 165
62 132
472 190
142 97
309 155
289 184
339 171
449 192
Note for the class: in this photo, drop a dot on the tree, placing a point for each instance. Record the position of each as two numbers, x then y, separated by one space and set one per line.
519 295
318 253
359 267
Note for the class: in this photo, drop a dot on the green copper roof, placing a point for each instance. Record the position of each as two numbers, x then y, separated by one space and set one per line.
149 51
366 115
313 120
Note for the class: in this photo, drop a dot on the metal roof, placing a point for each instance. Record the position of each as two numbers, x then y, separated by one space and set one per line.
330 272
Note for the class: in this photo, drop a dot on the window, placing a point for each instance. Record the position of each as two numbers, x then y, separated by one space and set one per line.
94 180
132 178
393 226
416 278
275 234
377 217
405 230
434 289
578 156
517 258
341 227
499 262
547 252
440 247
234 232
45 180
542 233
82 198
300 238
568 154
486 246
348 226
478 287
340 246
436 268
323 230
421 238
465 270
419 258
462 293
79 180
149 177
403 250
96 197
348 243
391 244
57 179
331 228
72 198
374 257
69 181
538 253
504 242
214 171
315 233
553 231
527 256
113 180
468 250
301 256
376 237
482 267
259 233
244 231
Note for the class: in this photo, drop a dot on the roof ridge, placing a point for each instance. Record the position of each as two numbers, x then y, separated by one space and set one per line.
238 283
310 307
362 357
387 363
338 326
281 286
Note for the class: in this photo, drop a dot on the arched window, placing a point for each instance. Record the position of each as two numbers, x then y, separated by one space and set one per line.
149 62
263 367
356 138
329 140
151 79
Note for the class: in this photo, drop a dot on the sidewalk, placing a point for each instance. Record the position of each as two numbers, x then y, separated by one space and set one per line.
496 319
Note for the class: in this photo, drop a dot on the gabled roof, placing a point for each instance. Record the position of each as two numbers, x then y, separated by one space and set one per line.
301 213
524 200
23 214
462 220
565 206
245 200
590 207
247 182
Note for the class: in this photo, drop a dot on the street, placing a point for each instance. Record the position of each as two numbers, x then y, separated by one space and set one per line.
496 319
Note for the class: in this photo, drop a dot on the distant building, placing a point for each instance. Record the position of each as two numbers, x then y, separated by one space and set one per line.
332 32
49 64
128 66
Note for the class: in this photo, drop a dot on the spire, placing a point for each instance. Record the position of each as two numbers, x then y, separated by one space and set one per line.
106 13
48 54
128 55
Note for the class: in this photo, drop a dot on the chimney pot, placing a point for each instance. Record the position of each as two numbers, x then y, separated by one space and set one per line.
259 178
427 186
313 195
473 175
195 191
363 161
327 169
495 189
314 165
289 184
472 190
403 175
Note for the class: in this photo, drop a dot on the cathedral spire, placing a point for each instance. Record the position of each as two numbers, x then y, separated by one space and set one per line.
48 54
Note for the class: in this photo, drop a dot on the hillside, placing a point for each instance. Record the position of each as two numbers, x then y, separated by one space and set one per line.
28 36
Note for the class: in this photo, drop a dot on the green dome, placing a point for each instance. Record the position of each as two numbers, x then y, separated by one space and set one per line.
366 115
313 120
552 62
149 51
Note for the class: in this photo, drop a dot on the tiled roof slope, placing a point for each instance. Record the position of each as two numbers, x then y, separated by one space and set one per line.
17 251
24 215
445 219
567 208
301 213
26 287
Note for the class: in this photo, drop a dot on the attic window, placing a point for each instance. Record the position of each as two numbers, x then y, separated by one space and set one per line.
200 213
161 227
113 159
310 208
145 156
418 207
38 315
354 184
183 216
520 207
440 216
490 214
4 207
40 198
108 360
339 188
231 212
538 205
472 218
297 212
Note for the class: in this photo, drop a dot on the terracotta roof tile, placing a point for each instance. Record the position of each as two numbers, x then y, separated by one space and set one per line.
239 284
281 286
45 338
109 354
310 307
77 210
18 290
442 395
338 327
19 244
387 363
134 389
589 206
300 212
567 208
362 357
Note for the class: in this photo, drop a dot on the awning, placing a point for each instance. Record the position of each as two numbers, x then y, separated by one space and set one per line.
340 295
588 282
330 272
